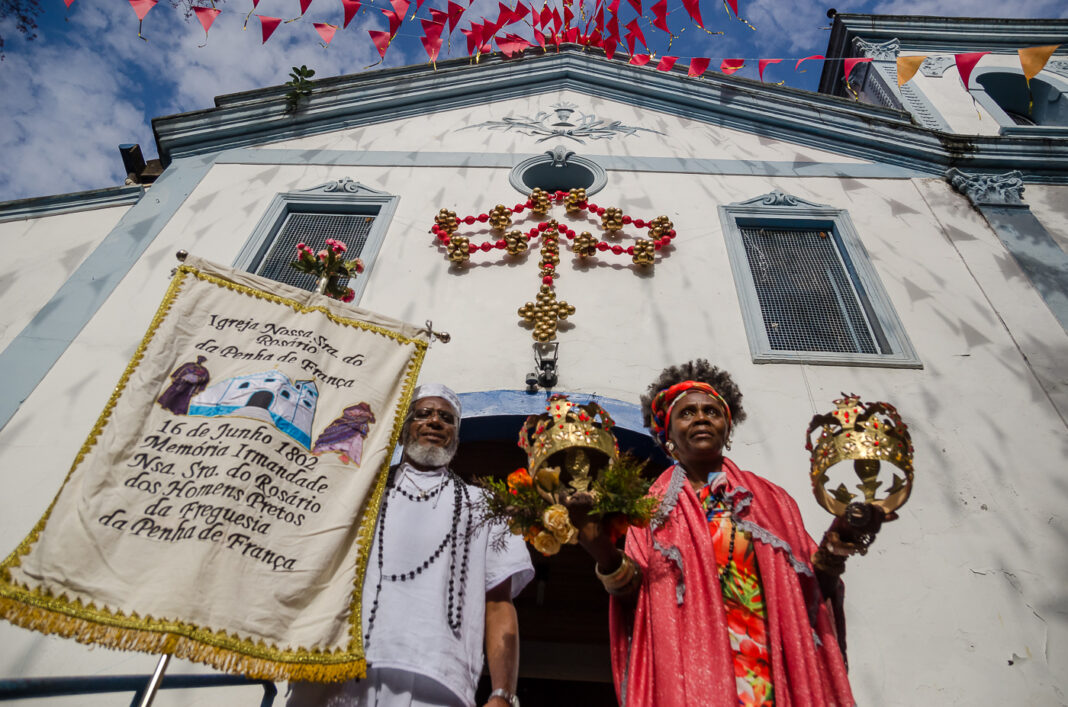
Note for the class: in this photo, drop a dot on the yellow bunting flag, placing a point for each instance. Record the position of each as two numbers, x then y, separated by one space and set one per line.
1032 59
907 66
222 508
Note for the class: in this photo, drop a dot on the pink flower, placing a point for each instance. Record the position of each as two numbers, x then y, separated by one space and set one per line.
323 254
349 296
330 241
301 246
359 266
341 246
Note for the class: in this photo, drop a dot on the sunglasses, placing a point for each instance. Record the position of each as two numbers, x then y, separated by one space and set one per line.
426 413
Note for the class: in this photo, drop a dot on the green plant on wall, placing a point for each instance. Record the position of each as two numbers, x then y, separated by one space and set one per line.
299 87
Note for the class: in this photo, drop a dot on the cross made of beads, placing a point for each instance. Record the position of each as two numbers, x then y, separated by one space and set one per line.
546 311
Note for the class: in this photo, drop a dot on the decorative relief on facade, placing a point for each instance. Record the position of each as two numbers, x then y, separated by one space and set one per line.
777 198
988 189
921 109
563 121
934 66
346 185
883 51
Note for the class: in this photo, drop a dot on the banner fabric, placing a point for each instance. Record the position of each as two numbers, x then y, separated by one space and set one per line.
223 506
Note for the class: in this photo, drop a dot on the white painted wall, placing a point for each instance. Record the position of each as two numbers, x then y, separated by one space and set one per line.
39 255
970 576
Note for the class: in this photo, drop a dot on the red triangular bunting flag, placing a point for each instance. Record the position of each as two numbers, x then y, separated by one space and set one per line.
733 4
519 12
455 12
432 45
666 63
206 15
381 40
255 3
699 65
474 37
965 64
400 7
729 66
814 56
634 29
572 35
637 5
610 48
660 15
325 30
141 7
68 2
351 8
268 25
763 63
546 16
431 28
304 5
850 63
640 59
693 7
613 7
558 22
395 21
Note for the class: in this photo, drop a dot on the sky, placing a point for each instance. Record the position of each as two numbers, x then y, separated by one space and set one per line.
87 83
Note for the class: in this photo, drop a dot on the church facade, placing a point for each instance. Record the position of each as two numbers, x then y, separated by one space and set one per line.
906 243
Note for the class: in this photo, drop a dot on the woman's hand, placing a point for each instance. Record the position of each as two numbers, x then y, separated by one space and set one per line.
593 536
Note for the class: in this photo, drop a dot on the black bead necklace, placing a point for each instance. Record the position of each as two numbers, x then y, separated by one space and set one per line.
454 613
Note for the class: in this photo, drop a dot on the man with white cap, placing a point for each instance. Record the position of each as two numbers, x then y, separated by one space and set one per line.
438 581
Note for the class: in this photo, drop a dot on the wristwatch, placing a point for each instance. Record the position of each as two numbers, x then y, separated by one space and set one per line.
509 697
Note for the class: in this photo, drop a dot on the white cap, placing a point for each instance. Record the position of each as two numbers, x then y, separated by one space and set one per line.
437 390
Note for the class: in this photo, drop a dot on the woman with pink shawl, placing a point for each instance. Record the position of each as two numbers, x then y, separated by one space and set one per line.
717 602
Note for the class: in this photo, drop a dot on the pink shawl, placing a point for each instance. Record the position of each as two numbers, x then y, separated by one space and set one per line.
670 645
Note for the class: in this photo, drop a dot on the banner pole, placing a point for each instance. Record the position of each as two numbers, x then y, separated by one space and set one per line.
157 678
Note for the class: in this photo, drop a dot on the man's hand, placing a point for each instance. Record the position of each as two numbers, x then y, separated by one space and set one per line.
502 641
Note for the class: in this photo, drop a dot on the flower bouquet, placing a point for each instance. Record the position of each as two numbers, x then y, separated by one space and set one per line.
329 266
533 505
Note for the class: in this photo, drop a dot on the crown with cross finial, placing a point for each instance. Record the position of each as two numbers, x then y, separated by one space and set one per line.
868 433
576 438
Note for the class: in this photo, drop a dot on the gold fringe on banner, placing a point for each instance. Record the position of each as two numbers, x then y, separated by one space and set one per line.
39 611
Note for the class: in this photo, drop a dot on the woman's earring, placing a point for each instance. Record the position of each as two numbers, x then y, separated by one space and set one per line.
727 444
670 446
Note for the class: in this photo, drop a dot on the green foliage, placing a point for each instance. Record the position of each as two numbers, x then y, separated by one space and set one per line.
621 488
24 15
299 87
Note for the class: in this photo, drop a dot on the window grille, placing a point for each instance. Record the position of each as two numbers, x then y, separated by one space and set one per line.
807 298
313 229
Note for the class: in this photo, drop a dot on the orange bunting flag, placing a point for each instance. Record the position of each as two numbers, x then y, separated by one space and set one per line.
907 66
207 16
850 64
351 8
268 25
763 63
660 13
965 64
666 63
381 40
698 66
639 59
141 7
325 30
800 61
1033 59
304 6
729 66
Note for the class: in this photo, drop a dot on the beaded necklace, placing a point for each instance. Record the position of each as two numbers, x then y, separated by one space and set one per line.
458 558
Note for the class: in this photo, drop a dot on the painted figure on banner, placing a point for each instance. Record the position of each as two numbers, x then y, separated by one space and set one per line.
346 434
186 381
439 583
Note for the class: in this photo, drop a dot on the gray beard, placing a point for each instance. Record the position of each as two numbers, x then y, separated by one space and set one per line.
430 455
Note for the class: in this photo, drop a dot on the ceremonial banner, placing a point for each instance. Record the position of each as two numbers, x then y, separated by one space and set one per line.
223 506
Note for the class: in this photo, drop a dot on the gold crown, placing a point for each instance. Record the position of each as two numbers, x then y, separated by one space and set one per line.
868 433
576 438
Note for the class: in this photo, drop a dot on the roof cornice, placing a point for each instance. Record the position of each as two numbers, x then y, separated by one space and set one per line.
827 122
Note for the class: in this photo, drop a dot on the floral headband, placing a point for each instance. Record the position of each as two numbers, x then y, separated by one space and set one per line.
664 402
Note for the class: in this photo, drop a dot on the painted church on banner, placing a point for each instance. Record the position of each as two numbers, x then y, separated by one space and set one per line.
907 244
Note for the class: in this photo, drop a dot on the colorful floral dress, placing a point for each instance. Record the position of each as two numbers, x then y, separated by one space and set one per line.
743 598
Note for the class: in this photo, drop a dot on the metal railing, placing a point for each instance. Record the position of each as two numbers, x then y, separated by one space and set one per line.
28 688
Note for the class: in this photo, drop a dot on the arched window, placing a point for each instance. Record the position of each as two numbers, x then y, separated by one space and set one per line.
1006 97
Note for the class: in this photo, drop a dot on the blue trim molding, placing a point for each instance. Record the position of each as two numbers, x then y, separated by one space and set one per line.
41 206
999 198
30 355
